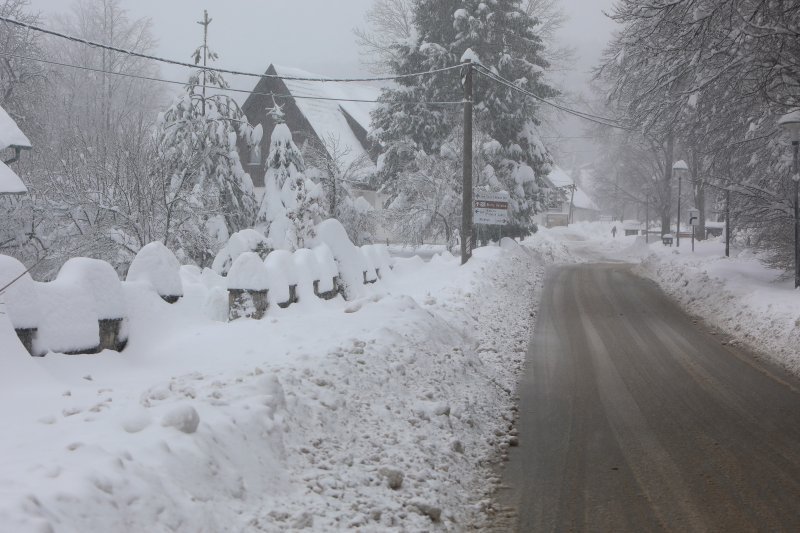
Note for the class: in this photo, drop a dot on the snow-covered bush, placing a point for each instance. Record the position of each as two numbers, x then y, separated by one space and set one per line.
351 263
379 257
156 265
247 240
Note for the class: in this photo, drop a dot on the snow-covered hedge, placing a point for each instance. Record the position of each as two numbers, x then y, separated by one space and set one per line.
69 321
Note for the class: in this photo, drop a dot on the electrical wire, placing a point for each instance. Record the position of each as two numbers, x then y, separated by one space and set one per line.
603 121
225 71
244 91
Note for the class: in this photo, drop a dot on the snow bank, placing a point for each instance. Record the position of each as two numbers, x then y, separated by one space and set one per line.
247 240
350 261
738 295
157 265
20 300
248 273
99 279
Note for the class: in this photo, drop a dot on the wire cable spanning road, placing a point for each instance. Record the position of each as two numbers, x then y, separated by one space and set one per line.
635 418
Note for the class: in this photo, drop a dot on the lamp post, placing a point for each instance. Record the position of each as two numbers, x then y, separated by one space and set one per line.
680 168
791 125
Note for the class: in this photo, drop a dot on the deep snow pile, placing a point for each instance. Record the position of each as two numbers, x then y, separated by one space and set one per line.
383 413
738 295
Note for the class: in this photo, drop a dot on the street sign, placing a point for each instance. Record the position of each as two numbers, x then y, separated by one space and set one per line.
694 217
491 208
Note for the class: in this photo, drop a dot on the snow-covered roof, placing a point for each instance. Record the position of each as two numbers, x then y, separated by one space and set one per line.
559 178
10 182
10 134
327 117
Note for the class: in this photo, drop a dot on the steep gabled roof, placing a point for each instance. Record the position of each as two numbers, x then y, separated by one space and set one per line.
11 137
334 118
559 178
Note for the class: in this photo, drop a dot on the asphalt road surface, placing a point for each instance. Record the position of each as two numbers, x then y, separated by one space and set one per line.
635 418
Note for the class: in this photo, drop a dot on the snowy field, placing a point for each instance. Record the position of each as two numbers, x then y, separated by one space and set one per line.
749 302
384 413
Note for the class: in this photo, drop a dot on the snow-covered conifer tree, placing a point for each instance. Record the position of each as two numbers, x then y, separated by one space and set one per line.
197 138
291 205
503 38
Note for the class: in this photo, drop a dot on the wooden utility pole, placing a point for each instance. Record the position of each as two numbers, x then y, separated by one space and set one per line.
466 203
727 222
204 23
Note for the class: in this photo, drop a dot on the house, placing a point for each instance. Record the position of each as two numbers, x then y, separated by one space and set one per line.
316 113
11 138
565 201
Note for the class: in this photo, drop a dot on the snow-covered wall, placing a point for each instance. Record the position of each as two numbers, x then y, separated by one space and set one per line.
86 309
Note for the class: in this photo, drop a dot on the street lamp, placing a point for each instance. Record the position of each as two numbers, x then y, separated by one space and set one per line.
791 125
680 168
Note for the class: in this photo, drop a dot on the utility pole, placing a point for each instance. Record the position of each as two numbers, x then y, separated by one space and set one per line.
204 23
647 219
727 222
572 201
466 201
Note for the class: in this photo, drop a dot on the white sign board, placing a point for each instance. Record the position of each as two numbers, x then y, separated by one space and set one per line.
490 208
694 217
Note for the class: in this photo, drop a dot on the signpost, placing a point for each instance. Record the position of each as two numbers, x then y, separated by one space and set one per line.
694 221
491 208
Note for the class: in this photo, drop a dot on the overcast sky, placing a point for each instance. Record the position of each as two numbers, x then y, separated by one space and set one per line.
314 35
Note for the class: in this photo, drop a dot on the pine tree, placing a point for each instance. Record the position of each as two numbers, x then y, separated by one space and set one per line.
502 37
291 205
197 135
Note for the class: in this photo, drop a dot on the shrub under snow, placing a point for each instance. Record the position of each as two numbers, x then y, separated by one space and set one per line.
69 317
327 267
247 240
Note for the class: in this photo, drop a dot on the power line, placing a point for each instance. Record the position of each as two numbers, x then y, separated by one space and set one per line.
220 70
182 83
604 121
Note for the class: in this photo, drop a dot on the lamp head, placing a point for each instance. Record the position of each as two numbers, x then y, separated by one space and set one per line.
680 168
790 123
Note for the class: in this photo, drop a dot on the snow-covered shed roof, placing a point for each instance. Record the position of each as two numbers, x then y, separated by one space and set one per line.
10 134
10 182
329 118
559 178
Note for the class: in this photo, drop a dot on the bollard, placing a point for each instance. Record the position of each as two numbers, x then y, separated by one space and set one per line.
245 303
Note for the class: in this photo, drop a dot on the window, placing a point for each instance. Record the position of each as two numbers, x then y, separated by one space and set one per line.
255 154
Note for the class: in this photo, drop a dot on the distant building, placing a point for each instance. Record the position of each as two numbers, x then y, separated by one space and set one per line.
563 196
11 138
315 113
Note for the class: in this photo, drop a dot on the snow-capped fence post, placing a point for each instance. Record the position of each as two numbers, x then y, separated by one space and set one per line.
248 287
100 280
158 266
